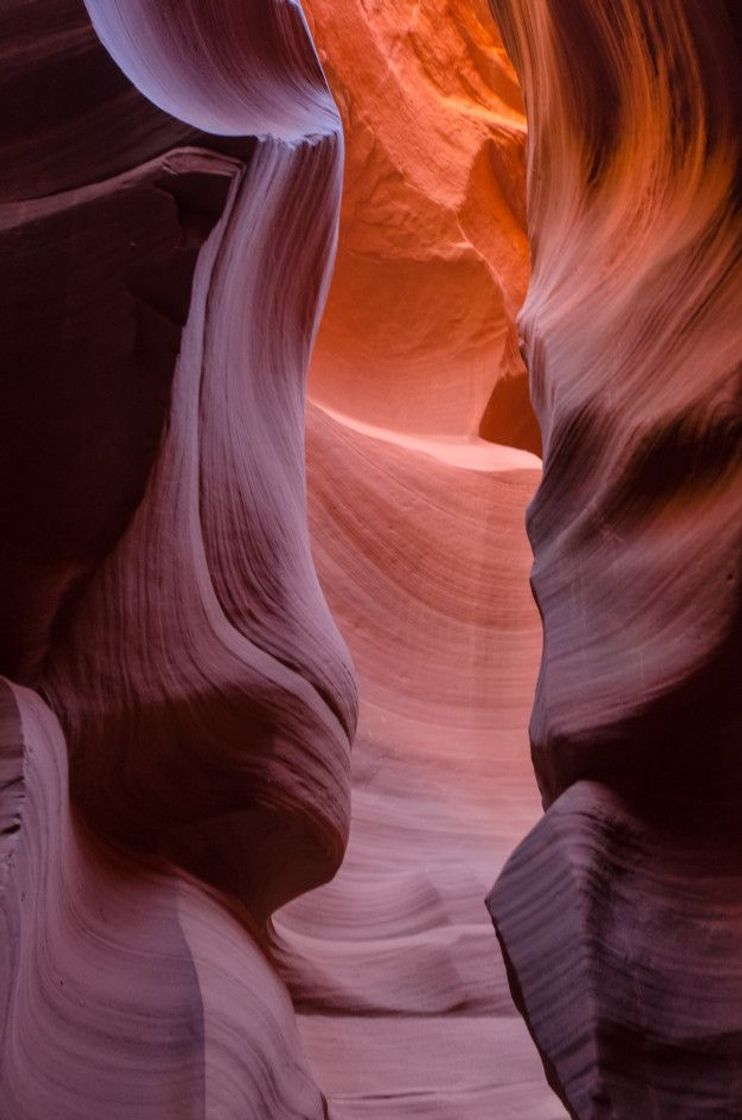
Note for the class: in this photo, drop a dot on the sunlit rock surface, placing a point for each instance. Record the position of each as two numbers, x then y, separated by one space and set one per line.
419 334
402 996
620 914
175 760
177 705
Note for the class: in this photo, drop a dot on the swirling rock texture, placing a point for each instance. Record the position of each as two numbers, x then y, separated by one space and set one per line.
417 533
178 706
620 914
161 617
403 1003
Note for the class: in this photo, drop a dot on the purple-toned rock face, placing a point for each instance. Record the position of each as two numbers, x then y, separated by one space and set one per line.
620 914
105 205
187 285
176 703
164 276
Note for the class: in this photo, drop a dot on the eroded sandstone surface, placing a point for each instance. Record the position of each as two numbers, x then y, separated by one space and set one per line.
620 914
419 331
176 766
185 536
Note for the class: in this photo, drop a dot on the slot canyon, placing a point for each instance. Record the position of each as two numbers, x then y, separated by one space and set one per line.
371 615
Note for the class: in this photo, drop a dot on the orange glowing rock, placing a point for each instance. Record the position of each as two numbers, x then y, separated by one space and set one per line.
432 266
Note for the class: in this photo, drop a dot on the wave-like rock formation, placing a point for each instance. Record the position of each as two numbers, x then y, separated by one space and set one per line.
620 915
175 721
417 531
419 330
176 702
126 988
403 1004
167 260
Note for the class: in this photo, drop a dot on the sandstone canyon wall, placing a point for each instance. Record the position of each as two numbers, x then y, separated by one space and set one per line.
402 998
417 530
173 665
177 705
162 625
620 914
419 331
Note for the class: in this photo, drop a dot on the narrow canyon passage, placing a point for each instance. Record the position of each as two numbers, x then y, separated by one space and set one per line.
417 530
403 1002
288 527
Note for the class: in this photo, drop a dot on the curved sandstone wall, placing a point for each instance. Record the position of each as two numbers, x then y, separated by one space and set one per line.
177 705
620 914
169 267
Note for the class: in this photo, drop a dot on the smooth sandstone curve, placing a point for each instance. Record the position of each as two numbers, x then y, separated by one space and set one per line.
157 579
622 907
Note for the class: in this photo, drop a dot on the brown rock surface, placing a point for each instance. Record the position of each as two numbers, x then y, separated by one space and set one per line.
160 596
127 988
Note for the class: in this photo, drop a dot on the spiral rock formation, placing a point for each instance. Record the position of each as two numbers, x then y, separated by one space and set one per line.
403 1003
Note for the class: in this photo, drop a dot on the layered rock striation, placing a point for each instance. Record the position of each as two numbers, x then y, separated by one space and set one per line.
620 914
168 257
402 999
177 706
